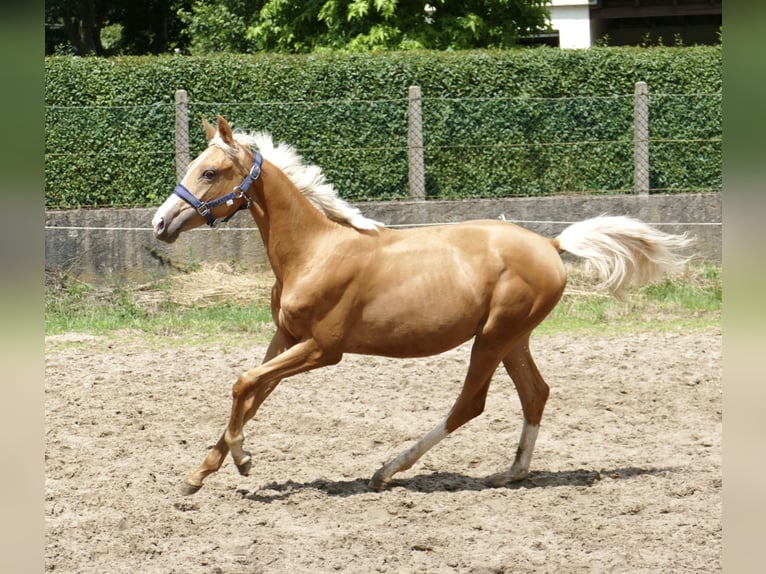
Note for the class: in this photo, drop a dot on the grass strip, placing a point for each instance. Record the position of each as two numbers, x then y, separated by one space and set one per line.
167 308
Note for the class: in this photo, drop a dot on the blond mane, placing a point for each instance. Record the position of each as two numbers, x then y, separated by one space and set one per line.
309 179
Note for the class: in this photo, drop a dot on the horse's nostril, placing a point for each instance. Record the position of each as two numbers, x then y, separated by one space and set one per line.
159 226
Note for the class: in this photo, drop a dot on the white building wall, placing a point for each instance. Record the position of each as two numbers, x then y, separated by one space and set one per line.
572 20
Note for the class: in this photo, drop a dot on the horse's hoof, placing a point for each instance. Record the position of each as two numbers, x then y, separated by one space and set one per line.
189 489
244 466
378 482
497 480
518 475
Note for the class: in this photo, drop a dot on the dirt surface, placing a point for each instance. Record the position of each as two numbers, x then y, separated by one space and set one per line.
626 476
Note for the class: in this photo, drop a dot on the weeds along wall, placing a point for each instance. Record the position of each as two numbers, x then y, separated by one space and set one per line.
527 122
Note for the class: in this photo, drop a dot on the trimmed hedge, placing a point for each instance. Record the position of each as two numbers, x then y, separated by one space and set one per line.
495 123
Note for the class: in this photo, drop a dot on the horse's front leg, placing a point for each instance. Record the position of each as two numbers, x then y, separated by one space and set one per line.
214 459
256 384
243 410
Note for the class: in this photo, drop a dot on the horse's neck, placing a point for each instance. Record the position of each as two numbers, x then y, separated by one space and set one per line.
288 223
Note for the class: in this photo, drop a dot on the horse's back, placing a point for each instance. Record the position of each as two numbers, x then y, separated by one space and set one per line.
490 245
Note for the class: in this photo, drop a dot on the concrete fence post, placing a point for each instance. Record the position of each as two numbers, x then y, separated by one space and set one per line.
415 145
641 139
182 133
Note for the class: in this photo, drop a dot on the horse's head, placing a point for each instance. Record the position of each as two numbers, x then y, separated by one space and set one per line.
214 188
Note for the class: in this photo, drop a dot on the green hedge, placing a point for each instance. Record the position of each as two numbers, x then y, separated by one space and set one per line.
495 123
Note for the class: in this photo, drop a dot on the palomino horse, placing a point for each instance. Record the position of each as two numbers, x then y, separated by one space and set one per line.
347 284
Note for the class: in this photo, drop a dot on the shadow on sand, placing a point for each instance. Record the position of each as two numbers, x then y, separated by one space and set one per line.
447 482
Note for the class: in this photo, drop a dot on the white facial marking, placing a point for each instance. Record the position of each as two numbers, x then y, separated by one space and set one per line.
168 209
159 221
193 165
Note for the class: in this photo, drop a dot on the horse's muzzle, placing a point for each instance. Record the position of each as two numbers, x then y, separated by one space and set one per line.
160 229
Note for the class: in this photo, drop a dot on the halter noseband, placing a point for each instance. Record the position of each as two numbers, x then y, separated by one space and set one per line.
239 192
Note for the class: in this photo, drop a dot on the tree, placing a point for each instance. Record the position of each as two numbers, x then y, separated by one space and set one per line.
150 26
219 25
361 25
146 26
205 26
81 22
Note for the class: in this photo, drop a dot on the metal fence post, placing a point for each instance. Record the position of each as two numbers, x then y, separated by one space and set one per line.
641 139
182 133
415 145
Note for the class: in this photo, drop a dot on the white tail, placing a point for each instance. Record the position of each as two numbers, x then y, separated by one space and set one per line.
624 250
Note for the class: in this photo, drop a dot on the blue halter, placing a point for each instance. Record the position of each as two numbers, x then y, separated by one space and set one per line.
239 192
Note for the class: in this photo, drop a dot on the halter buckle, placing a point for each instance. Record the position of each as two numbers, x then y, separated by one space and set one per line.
239 193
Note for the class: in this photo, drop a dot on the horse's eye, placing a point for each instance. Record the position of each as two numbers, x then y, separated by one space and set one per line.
208 174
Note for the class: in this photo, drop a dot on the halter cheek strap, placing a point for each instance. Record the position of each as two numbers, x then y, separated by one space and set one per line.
239 192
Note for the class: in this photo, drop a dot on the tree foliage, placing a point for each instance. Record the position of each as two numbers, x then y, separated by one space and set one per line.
240 26
143 26
219 25
364 25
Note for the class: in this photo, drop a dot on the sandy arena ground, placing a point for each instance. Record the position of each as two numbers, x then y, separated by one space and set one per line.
626 476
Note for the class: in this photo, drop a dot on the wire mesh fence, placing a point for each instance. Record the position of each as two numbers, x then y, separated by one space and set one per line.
411 147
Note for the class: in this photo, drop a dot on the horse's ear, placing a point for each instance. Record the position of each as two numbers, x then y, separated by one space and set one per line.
224 130
209 130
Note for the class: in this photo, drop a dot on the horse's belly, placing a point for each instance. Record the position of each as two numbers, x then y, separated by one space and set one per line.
415 326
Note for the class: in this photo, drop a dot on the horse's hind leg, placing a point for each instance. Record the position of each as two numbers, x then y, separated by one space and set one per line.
533 393
469 404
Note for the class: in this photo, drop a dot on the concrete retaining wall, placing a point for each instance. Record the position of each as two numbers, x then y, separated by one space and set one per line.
118 244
